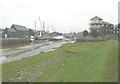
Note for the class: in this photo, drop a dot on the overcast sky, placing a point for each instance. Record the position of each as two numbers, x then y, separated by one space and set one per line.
64 15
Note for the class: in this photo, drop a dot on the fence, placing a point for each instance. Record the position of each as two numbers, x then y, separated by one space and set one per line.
8 42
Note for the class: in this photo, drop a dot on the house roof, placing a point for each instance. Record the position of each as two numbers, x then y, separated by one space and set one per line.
105 22
34 30
10 29
56 33
96 17
19 27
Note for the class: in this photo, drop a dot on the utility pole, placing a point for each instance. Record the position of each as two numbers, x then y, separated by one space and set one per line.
40 22
43 25
52 28
47 28
35 28
40 26
70 30
35 25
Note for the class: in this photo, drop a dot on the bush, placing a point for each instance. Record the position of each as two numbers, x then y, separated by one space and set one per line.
85 33
94 33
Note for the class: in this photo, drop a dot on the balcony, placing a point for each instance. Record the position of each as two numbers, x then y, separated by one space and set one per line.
96 27
95 23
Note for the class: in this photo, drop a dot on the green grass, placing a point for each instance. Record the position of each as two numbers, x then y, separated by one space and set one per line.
78 62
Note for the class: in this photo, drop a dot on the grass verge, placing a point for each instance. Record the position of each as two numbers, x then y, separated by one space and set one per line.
78 62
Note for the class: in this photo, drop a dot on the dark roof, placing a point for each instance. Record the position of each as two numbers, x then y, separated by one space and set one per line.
105 22
10 29
96 17
19 27
56 33
34 30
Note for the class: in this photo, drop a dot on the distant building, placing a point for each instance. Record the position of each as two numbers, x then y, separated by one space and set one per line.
55 34
104 28
9 33
16 31
1 32
33 33
21 31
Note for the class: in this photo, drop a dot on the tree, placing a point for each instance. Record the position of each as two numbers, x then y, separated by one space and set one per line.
85 33
94 33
